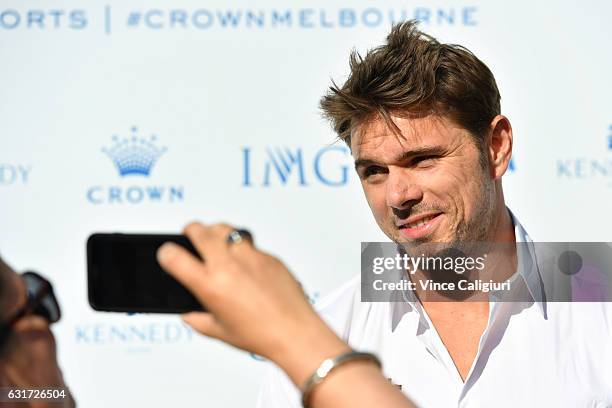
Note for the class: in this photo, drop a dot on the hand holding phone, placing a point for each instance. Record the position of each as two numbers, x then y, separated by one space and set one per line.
124 275
253 302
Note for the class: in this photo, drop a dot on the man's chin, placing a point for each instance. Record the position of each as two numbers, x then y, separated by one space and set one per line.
431 245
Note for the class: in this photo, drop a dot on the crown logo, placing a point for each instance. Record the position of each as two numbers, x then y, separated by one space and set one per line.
134 155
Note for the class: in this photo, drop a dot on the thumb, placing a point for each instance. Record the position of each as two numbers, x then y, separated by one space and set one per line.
204 323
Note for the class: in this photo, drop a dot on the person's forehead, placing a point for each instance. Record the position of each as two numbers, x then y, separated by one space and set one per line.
376 137
7 288
5 274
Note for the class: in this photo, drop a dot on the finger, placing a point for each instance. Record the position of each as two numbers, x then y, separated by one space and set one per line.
184 267
204 323
32 333
32 322
210 241
245 247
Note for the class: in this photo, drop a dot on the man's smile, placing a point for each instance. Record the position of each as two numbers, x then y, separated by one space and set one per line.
419 226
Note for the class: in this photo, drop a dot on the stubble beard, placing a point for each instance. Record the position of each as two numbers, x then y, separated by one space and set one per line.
476 231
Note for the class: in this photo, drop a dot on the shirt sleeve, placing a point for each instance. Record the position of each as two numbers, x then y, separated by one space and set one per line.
277 390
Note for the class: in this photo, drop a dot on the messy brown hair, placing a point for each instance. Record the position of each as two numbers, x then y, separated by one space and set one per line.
414 74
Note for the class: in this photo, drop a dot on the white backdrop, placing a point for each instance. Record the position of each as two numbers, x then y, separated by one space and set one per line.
230 89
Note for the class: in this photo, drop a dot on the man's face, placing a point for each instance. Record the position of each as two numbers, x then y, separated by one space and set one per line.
427 186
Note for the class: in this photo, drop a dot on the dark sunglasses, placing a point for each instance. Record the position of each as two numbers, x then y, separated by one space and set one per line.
41 302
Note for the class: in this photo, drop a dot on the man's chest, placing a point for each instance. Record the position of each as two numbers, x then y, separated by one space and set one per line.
456 329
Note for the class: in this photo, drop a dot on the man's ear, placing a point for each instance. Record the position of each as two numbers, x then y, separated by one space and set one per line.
499 146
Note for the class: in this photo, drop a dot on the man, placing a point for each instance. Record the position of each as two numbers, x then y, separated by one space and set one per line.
28 357
424 125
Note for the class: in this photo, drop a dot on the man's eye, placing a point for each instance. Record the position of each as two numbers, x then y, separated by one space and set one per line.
372 170
425 161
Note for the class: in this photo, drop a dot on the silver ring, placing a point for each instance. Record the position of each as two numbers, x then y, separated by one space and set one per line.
239 235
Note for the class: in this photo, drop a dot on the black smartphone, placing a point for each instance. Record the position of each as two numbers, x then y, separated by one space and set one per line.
123 275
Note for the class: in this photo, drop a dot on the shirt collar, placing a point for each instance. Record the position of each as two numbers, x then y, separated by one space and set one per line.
527 264
527 268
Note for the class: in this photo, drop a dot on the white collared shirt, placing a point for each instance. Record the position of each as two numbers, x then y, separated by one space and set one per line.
531 354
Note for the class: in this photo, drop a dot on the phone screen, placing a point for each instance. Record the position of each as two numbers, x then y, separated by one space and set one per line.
124 276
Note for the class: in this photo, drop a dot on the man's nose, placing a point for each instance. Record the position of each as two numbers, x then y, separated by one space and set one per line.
402 190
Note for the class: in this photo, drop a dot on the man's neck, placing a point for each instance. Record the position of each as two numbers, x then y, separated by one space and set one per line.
504 230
